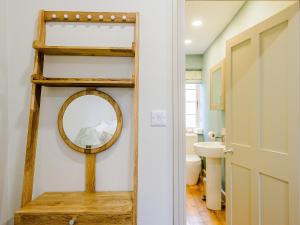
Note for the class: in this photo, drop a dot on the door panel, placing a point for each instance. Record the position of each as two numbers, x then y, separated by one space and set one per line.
262 121
274 76
241 197
241 92
275 214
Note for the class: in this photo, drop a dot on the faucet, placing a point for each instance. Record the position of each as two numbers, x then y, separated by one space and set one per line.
221 137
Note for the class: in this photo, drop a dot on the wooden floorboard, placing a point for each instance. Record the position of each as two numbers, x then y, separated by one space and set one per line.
196 211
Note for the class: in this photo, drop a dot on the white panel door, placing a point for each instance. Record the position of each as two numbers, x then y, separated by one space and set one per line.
262 120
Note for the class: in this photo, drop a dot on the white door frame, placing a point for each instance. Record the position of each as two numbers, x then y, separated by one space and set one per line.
178 68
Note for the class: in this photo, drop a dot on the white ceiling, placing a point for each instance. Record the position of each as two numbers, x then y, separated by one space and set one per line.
215 16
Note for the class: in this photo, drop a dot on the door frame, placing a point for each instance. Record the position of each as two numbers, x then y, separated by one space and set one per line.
178 68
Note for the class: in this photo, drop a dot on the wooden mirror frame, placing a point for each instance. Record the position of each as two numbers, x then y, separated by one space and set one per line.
221 105
107 144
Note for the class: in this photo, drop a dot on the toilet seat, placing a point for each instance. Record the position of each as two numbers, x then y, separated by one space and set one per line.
193 168
192 158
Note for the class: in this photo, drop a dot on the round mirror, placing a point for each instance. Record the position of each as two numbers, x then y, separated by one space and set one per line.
90 121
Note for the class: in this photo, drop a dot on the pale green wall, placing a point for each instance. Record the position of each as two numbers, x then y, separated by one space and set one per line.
250 14
193 62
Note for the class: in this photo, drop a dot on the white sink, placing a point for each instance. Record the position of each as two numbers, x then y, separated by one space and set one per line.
214 152
209 149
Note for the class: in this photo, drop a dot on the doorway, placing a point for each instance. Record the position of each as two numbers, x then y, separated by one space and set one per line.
204 111
268 32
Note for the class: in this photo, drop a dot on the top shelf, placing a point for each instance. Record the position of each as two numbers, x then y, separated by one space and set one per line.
90 17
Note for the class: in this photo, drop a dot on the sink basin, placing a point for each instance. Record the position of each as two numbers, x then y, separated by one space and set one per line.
214 152
210 149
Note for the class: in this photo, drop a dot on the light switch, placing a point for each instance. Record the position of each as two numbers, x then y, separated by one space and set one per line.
158 118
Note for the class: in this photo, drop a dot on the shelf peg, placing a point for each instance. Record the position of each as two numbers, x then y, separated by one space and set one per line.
66 16
77 16
100 17
53 16
112 17
124 18
89 17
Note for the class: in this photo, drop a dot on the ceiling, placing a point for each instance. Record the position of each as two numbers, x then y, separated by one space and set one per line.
214 15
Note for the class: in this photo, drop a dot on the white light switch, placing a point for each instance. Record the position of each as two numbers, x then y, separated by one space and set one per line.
158 118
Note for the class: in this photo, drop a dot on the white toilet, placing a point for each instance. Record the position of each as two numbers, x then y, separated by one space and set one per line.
193 161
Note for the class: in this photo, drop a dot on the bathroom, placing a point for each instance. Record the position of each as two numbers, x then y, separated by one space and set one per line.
206 39
204 118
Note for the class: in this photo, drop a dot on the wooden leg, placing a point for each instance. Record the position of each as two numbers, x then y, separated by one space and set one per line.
136 119
31 144
90 172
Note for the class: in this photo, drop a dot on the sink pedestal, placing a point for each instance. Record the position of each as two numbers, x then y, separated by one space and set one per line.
214 152
213 183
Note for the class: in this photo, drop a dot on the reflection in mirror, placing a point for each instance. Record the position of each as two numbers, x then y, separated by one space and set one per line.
217 86
217 91
90 121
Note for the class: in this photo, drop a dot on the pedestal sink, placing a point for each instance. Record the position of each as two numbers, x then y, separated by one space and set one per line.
214 152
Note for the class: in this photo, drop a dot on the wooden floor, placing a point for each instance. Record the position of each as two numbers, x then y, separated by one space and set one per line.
196 211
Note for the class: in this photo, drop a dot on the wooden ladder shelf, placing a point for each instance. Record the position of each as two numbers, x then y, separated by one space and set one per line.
89 207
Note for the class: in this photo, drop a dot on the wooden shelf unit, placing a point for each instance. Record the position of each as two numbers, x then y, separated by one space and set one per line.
89 207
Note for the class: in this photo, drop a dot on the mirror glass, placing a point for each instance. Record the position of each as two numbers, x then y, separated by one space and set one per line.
217 91
90 121
217 86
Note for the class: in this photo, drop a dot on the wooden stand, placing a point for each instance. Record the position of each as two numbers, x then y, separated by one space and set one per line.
89 207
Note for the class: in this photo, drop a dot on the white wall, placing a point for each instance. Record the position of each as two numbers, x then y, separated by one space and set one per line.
60 168
3 117
250 14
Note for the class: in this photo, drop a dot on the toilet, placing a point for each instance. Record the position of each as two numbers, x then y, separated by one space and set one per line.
193 161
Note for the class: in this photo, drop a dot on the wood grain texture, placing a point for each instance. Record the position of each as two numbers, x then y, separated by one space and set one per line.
101 95
196 211
33 123
82 82
38 66
83 51
41 34
90 172
31 144
130 17
39 57
136 118
101 208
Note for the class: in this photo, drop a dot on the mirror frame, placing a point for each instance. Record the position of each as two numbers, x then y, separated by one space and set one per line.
107 144
221 105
